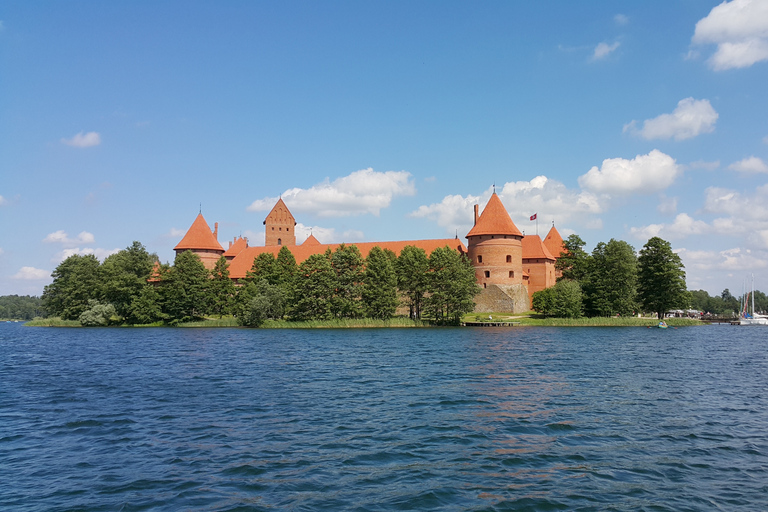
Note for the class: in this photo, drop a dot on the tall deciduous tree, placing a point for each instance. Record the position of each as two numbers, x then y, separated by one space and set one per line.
347 263
123 275
380 284
315 286
611 283
573 262
185 288
411 268
75 282
661 278
452 286
222 289
564 300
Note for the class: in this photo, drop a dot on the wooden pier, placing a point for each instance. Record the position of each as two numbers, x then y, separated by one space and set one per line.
489 324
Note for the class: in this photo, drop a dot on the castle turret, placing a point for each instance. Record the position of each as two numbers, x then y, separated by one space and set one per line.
280 226
201 241
494 246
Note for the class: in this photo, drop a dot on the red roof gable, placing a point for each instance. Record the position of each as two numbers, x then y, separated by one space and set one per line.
199 236
311 240
280 214
244 261
554 242
533 247
494 220
235 248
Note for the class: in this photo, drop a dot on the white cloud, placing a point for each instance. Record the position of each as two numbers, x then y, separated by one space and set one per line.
684 225
644 174
750 165
602 50
621 19
690 118
61 237
98 252
667 205
740 31
364 191
734 259
327 235
83 140
31 274
548 198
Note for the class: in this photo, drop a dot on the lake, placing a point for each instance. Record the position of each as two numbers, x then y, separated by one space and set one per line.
384 419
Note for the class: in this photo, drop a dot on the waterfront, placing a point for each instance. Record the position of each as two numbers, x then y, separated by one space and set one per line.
377 419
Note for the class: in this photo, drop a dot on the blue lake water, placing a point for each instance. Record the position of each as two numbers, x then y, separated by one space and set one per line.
374 420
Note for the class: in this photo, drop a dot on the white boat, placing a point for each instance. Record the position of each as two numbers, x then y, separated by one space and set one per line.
746 318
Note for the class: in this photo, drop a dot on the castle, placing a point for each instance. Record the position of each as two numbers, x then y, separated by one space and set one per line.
509 266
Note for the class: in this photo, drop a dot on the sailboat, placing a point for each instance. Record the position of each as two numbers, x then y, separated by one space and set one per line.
747 318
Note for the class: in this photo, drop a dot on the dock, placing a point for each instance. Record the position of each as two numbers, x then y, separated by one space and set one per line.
489 324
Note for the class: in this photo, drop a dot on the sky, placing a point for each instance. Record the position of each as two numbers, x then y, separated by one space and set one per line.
379 121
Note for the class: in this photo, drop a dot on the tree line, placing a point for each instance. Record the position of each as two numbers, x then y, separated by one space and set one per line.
615 280
340 284
20 307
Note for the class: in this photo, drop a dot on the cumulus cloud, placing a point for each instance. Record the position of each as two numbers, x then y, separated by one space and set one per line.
734 259
684 225
31 274
362 192
602 50
83 140
549 198
749 165
690 118
740 31
643 174
61 237
327 235
98 252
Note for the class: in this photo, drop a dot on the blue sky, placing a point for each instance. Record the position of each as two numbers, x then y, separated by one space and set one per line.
383 121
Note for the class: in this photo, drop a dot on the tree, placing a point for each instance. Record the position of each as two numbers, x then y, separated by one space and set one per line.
315 286
574 261
124 274
98 314
411 270
222 289
661 278
564 300
451 285
347 263
258 301
147 307
185 288
264 267
75 282
610 287
379 293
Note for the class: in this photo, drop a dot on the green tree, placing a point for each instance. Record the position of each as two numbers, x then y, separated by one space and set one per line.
379 293
661 278
574 261
315 286
147 307
411 269
564 300
348 265
264 267
610 287
75 282
451 285
24 307
258 301
124 274
185 288
98 314
222 289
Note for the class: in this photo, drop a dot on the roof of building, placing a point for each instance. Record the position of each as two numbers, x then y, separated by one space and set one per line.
311 240
554 242
494 220
239 244
199 236
243 262
533 247
280 214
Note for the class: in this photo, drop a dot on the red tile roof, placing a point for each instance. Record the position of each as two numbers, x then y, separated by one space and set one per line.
243 262
235 248
533 247
280 214
311 240
554 242
494 220
199 236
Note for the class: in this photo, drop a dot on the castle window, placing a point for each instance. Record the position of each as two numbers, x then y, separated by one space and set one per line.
511 274
479 259
273 228
509 258
487 273
484 285
279 241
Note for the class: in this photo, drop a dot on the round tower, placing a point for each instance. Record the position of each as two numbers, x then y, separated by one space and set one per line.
494 245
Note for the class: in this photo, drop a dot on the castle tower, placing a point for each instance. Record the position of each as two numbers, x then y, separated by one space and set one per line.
280 226
539 264
494 246
554 242
202 241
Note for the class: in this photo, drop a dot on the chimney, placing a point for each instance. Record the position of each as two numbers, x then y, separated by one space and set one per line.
216 231
476 208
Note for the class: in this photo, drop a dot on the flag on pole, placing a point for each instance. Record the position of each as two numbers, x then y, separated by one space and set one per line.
533 217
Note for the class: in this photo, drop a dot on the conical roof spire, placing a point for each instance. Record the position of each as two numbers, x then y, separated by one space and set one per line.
199 236
554 242
494 220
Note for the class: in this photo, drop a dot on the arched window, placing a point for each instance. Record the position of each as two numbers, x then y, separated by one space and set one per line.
487 273
511 274
279 241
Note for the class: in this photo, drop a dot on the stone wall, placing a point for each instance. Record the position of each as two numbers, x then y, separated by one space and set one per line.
502 299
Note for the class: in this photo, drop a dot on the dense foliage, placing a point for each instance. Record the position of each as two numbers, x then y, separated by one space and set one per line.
20 307
338 284
661 278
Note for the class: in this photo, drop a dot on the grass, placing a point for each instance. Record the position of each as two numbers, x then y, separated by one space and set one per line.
344 323
53 321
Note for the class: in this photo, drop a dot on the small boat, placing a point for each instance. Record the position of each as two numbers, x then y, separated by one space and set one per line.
747 318
662 325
